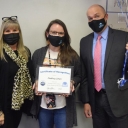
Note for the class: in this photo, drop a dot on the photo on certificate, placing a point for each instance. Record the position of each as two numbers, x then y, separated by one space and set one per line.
56 80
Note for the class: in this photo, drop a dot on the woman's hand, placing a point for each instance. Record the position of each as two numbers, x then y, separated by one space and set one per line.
1 118
72 88
35 87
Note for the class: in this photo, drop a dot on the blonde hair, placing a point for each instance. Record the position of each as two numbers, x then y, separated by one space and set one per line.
20 46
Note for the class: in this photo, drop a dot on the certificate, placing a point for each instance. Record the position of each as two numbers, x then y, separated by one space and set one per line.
54 80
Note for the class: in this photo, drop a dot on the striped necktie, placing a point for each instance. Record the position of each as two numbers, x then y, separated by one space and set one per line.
97 65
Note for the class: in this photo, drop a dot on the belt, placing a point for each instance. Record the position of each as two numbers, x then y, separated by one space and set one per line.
103 91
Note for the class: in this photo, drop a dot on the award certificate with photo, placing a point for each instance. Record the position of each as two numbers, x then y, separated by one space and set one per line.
54 80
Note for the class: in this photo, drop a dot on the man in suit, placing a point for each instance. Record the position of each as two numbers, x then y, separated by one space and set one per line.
102 55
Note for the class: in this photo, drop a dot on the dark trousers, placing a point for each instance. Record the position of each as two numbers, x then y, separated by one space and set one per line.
103 116
12 119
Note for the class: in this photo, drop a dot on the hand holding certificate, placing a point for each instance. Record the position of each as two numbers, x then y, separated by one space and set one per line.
35 88
54 80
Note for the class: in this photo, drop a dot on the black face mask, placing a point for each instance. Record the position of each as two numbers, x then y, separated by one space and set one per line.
56 40
97 25
11 39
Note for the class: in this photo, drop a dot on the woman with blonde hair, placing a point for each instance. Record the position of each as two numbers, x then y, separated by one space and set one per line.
15 74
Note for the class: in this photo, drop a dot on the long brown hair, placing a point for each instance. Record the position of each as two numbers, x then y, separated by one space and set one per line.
67 53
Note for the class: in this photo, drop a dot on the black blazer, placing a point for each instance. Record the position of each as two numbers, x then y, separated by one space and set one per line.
114 59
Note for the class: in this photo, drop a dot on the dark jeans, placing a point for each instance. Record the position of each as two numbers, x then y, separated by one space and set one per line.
103 116
47 118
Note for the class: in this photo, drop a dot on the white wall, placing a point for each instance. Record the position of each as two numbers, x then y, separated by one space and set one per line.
35 15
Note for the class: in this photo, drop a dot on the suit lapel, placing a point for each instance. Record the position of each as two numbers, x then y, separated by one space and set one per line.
109 45
90 40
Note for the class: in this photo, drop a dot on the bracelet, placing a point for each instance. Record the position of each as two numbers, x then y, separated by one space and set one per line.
1 113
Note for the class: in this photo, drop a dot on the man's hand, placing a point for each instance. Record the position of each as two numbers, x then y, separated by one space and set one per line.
87 110
126 46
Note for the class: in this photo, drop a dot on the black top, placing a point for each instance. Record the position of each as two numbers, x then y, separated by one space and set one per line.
8 70
13 68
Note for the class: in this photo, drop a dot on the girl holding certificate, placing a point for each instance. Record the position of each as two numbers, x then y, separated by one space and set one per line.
51 109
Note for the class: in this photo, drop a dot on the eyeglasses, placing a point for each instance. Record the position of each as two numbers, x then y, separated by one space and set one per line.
54 33
13 18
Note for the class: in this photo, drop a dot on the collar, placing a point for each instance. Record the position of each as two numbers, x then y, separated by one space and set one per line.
104 34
